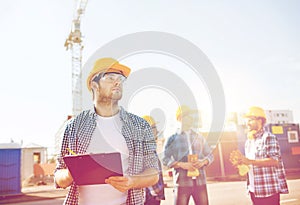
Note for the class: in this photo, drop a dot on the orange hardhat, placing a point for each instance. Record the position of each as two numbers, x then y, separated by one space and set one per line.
184 110
149 119
107 65
255 112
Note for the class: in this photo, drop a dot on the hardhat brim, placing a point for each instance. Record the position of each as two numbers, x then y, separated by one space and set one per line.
107 65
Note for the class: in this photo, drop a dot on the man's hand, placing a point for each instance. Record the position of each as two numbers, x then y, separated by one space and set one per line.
200 163
240 162
237 158
63 178
145 179
122 184
186 165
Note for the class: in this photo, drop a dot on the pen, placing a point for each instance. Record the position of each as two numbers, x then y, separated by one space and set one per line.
71 151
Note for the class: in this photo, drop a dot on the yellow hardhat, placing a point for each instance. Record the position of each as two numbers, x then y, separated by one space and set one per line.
184 110
149 119
255 111
107 65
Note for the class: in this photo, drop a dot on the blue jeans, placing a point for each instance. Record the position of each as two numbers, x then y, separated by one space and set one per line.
199 194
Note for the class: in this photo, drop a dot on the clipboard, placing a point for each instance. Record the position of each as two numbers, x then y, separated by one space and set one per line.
90 169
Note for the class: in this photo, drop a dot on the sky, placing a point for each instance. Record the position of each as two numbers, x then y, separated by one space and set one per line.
253 45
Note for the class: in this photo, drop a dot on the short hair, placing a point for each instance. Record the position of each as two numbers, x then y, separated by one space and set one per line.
98 77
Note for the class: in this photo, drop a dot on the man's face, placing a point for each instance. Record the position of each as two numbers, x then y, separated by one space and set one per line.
187 122
110 87
253 123
190 121
155 131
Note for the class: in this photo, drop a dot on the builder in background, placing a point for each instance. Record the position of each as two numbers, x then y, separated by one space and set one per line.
188 153
266 177
155 193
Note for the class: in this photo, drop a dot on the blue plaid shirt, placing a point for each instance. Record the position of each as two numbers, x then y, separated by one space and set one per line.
139 139
177 150
268 180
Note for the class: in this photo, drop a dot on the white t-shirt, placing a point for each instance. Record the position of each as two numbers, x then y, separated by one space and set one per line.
250 154
106 138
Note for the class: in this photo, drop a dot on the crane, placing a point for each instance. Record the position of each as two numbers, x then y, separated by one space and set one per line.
74 43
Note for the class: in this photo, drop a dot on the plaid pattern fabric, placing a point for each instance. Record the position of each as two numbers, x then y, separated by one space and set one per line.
177 150
268 180
139 139
158 188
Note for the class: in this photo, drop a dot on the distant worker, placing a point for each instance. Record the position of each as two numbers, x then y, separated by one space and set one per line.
155 193
188 153
266 178
109 128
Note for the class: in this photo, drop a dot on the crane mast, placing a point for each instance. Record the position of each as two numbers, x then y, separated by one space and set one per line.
74 42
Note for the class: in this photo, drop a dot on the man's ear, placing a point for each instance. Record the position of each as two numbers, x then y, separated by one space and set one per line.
94 85
261 122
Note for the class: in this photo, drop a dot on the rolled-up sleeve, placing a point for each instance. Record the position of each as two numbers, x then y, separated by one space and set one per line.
60 164
168 159
149 152
272 147
207 151
63 150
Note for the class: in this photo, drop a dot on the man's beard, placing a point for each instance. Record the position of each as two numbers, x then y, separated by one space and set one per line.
111 97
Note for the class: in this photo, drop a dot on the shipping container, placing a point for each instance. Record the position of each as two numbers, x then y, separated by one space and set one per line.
10 169
288 137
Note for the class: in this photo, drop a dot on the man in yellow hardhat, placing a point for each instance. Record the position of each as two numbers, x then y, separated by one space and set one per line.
155 193
188 153
108 128
152 124
266 178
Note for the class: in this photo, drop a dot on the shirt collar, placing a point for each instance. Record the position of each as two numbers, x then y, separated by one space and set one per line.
190 132
123 114
259 133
